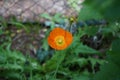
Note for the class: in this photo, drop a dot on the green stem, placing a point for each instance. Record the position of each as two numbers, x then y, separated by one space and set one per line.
54 76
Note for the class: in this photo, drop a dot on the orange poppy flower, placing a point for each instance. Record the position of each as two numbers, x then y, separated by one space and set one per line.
59 38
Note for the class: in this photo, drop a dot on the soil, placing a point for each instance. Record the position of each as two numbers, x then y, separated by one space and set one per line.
26 42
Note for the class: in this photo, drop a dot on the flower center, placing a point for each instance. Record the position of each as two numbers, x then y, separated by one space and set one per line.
59 40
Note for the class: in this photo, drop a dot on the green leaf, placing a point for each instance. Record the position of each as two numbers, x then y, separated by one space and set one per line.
81 61
12 66
108 8
111 69
54 61
91 31
52 25
45 45
57 18
2 58
114 53
1 31
116 46
85 49
81 77
8 74
93 61
88 12
20 25
46 16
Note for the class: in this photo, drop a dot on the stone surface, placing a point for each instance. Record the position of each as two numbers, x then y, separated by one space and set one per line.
30 10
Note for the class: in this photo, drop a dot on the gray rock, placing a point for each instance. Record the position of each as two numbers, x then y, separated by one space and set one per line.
30 10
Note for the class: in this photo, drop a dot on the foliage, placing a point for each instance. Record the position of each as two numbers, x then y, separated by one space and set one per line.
52 20
81 60
90 12
110 9
14 65
111 69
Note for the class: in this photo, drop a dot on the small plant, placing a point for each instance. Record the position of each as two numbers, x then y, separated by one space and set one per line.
52 20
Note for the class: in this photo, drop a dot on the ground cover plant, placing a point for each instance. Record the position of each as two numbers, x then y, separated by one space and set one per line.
83 48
